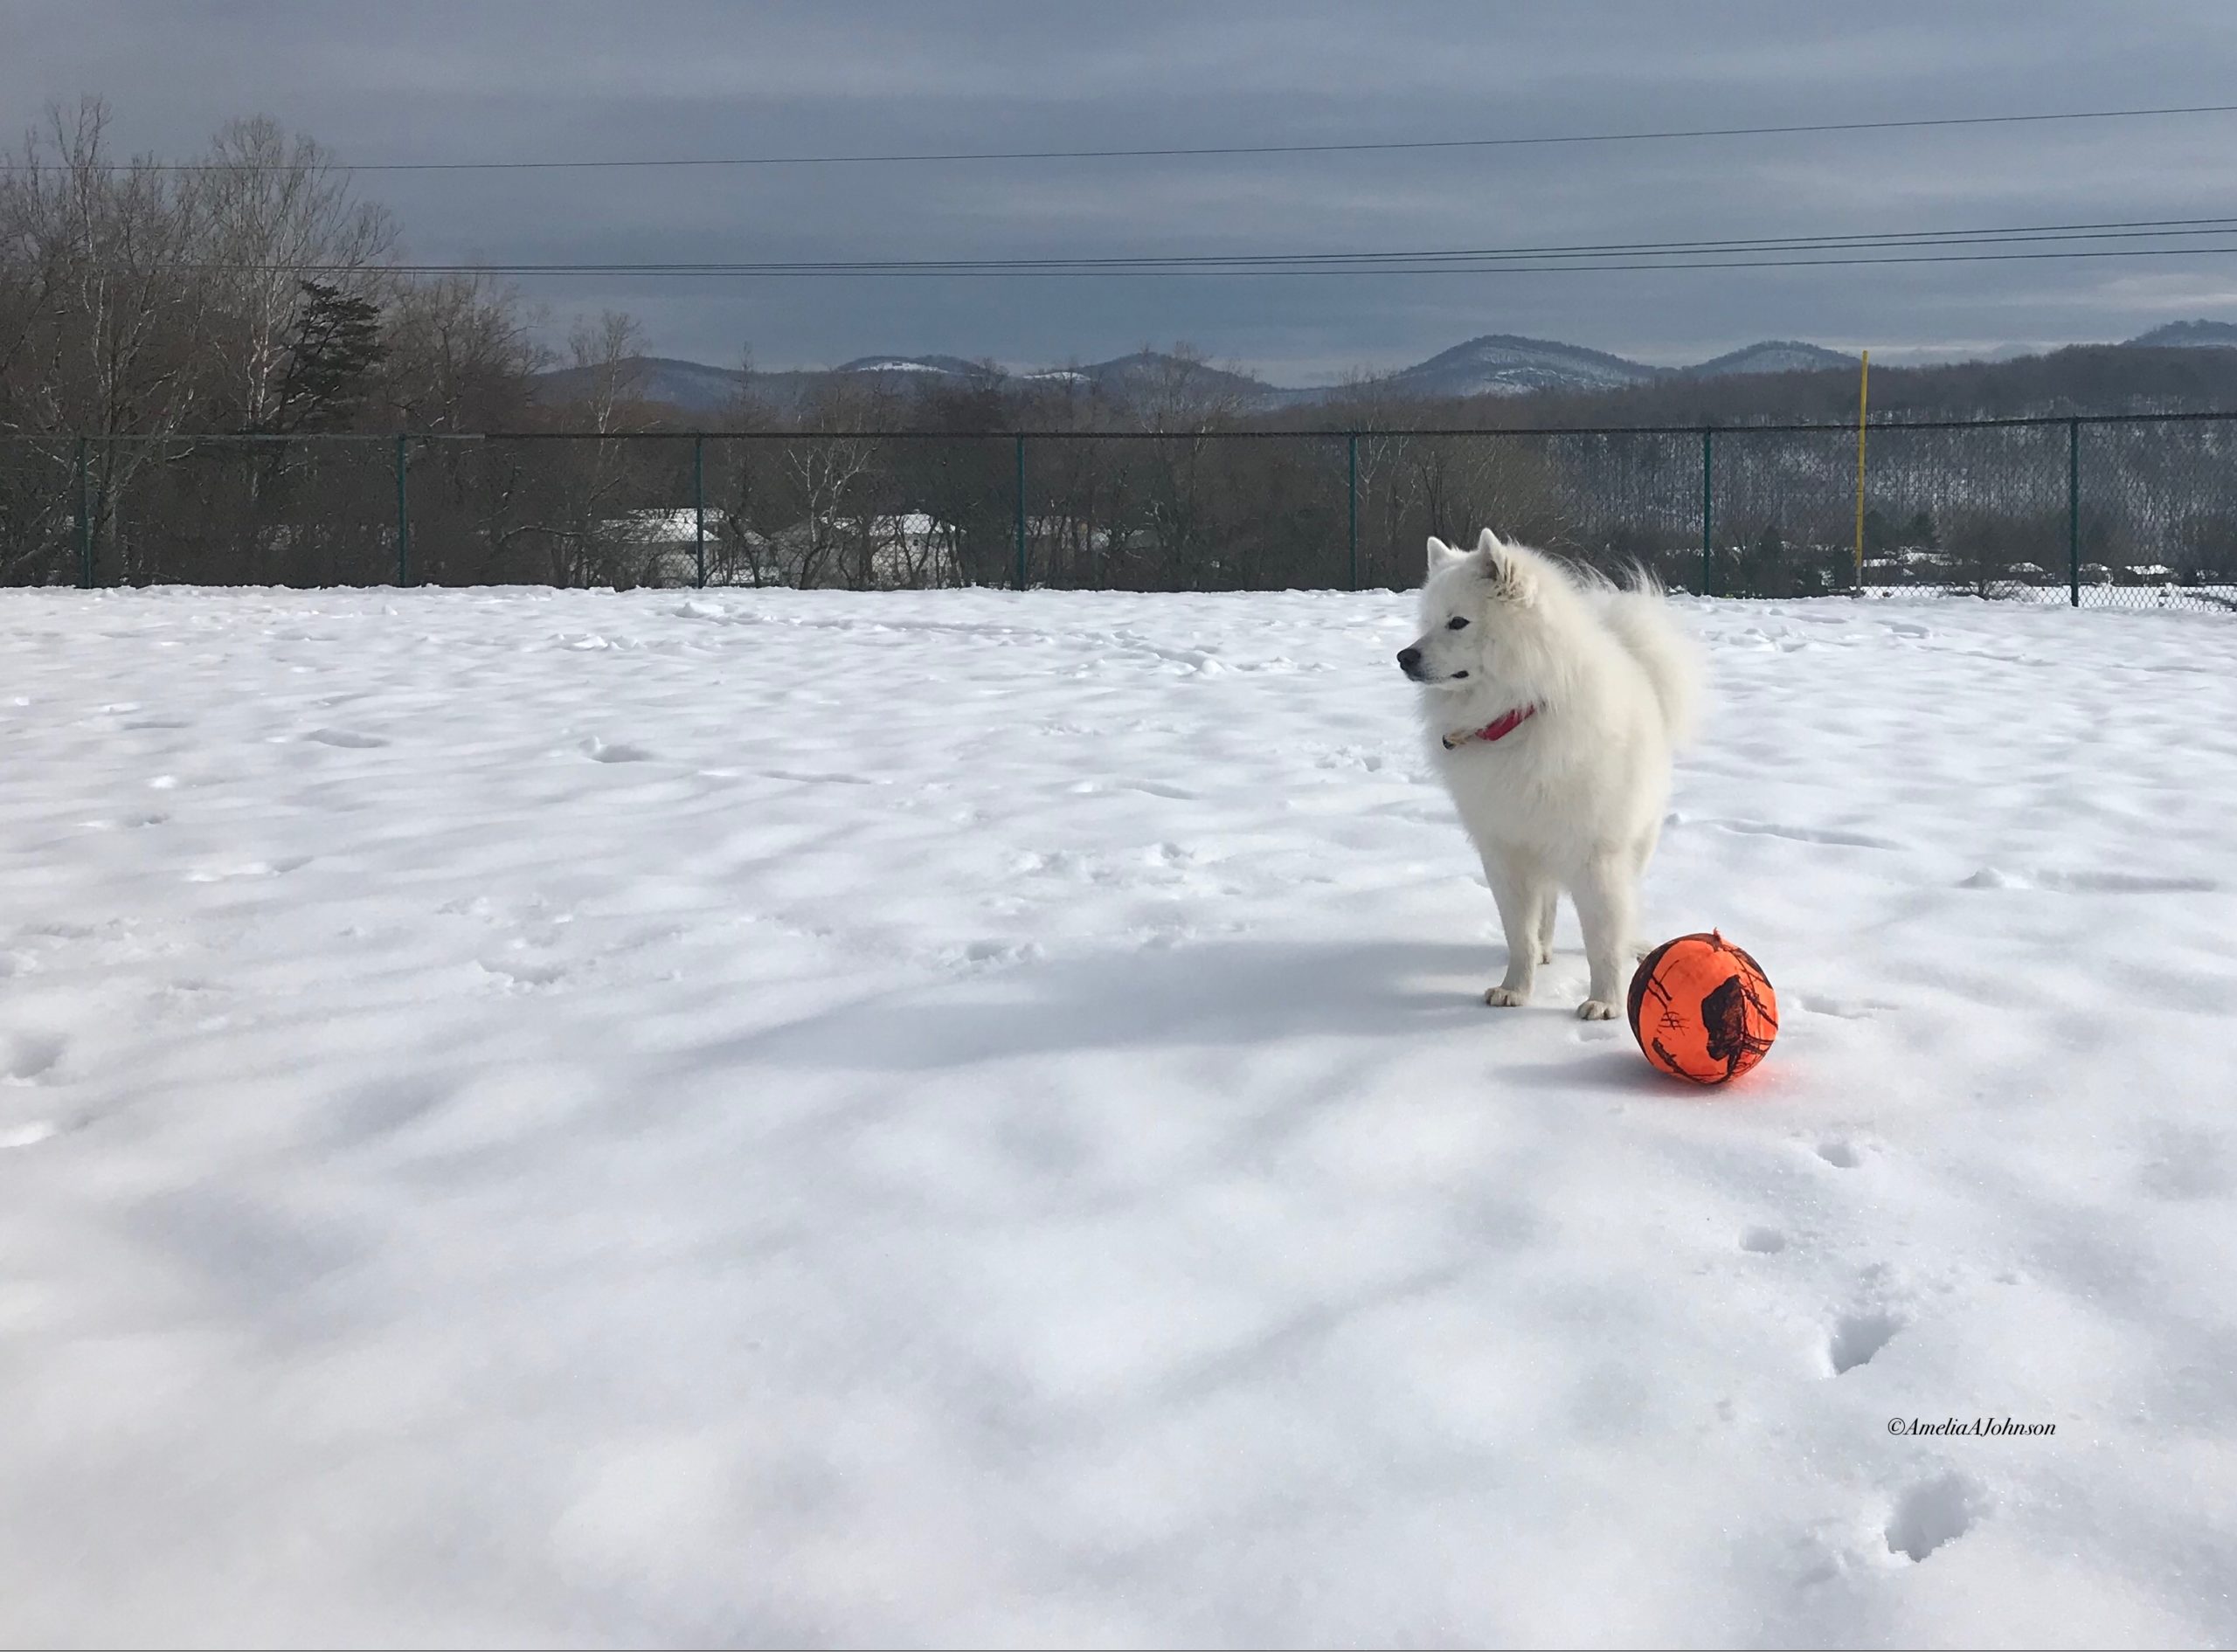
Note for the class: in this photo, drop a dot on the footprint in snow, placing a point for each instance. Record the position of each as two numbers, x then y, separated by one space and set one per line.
1862 1009
616 751
26 1058
347 738
990 955
1857 1338
524 973
1806 834
1932 1513
250 869
805 777
1990 877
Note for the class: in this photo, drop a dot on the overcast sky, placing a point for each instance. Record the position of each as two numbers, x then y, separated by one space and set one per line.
542 80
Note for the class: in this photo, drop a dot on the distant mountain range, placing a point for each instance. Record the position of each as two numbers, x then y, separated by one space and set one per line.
2190 335
1496 364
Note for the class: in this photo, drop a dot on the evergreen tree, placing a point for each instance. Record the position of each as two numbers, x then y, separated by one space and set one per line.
336 346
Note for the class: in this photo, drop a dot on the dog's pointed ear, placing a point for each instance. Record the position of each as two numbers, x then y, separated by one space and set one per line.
1498 565
1506 568
1442 556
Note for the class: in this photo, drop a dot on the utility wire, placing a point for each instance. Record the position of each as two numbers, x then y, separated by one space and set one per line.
1904 246
770 271
1176 153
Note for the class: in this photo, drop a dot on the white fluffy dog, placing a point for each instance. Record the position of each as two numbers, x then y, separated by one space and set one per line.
1555 701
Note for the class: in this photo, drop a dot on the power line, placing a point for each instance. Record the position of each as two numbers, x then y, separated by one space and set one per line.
766 271
2134 229
1901 246
1175 152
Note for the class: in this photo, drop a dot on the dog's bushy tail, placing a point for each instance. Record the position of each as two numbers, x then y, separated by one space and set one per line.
1640 617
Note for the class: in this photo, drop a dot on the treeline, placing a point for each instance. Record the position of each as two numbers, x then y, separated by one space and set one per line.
2079 379
179 345
248 290
143 299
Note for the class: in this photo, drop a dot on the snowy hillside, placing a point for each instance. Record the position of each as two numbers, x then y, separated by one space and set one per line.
692 386
1501 365
967 1118
1773 355
1497 365
2211 334
941 366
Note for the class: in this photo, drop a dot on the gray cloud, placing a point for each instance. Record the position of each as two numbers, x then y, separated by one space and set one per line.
506 81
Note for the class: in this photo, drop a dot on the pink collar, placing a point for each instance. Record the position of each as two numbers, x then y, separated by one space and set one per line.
1497 729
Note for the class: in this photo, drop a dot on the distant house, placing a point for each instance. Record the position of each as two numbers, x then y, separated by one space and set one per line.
665 527
667 544
888 551
1066 531
899 550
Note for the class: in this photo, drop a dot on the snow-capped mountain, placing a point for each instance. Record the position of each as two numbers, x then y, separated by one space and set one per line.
2190 334
1495 364
1772 355
691 385
1145 373
1502 364
934 366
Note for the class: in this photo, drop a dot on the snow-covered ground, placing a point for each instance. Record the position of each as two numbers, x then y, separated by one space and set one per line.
966 1117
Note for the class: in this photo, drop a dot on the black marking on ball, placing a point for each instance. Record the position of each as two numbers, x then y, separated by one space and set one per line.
1724 1018
1643 978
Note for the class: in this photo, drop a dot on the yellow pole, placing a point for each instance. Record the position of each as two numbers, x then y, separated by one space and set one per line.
1863 390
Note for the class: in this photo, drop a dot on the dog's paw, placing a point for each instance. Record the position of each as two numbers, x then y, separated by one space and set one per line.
1594 1009
1640 948
1546 953
1504 997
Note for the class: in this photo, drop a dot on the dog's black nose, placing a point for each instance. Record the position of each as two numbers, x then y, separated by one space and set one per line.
1410 660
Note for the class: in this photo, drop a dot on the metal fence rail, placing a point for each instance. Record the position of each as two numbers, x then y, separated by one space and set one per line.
2130 510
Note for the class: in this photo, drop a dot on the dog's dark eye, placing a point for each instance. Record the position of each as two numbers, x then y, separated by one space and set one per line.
1456 624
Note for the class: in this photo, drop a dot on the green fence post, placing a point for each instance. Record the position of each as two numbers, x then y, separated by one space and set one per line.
85 513
1021 510
2074 511
403 520
699 503
1709 553
1352 501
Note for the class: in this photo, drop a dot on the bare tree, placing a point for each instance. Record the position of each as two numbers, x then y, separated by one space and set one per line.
596 540
460 352
1181 392
114 348
276 208
832 540
1365 404
460 357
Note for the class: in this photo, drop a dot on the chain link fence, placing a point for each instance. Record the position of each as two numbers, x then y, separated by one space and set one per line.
2127 510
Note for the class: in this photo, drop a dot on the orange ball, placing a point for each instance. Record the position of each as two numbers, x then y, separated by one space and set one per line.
1702 1009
